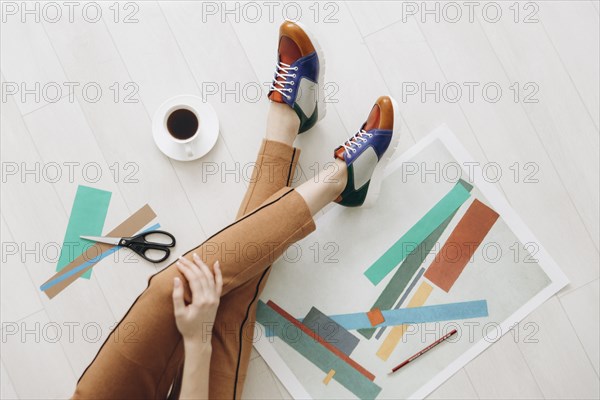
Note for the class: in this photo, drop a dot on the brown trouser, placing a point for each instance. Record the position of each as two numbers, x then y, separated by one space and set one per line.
271 217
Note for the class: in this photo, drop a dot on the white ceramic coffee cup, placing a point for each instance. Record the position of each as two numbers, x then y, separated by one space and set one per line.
186 143
194 146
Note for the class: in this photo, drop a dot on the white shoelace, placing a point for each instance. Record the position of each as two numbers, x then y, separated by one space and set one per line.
354 141
283 71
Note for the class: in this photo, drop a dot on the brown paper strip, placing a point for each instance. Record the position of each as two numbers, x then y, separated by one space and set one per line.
465 239
129 227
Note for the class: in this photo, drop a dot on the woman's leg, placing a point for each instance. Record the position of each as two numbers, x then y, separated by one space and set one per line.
356 161
276 160
291 111
234 325
276 165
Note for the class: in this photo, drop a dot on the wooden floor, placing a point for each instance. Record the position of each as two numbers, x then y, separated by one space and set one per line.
541 133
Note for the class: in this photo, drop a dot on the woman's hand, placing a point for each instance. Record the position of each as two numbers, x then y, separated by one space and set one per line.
206 292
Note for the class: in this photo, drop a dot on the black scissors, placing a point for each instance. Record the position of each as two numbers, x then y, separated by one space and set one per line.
140 245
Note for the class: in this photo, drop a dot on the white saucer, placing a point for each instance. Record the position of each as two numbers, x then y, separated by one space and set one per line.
208 128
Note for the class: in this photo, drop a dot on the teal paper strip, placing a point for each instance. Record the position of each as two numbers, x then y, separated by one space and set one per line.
416 315
415 235
322 358
87 218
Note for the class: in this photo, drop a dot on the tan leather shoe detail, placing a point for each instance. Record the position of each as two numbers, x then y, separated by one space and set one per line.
294 43
339 153
297 34
380 117
373 119
386 113
288 52
276 97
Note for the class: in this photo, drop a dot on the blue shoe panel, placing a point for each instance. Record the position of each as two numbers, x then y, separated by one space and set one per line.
308 67
380 141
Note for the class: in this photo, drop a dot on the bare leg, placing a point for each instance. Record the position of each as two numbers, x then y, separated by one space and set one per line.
282 126
319 192
282 123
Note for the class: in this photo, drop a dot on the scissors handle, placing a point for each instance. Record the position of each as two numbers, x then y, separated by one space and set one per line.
140 245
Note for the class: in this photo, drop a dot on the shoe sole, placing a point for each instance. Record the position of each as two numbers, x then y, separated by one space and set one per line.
321 104
377 177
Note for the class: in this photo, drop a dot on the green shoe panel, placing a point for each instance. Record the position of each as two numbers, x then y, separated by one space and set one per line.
351 197
305 122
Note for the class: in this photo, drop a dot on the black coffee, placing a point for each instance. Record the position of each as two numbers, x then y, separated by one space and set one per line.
182 124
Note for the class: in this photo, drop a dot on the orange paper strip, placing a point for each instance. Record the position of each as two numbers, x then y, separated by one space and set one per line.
461 245
375 317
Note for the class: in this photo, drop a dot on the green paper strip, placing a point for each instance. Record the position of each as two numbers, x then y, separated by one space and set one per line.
408 268
313 351
407 292
87 218
418 232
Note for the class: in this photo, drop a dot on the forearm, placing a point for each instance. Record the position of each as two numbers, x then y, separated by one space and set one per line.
196 370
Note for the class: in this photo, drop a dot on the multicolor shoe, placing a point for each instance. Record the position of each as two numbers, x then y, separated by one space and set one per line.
298 80
367 153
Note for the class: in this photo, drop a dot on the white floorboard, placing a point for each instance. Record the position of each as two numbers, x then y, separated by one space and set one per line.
33 61
555 344
7 391
22 354
579 57
516 381
19 296
527 55
459 386
579 306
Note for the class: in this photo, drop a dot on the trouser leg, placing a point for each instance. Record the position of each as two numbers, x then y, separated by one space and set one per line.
234 326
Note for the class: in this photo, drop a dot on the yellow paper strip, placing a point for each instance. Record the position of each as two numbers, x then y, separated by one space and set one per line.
393 338
329 376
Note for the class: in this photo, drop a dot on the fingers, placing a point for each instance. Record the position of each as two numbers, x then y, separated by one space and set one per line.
193 276
178 303
203 284
218 278
210 281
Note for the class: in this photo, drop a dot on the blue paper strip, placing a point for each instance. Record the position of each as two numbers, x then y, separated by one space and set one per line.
416 315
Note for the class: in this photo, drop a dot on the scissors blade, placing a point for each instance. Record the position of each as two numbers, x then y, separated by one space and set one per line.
103 239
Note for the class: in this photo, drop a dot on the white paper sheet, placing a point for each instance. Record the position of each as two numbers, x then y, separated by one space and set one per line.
306 277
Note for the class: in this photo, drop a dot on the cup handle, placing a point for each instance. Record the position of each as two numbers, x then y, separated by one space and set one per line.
188 150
